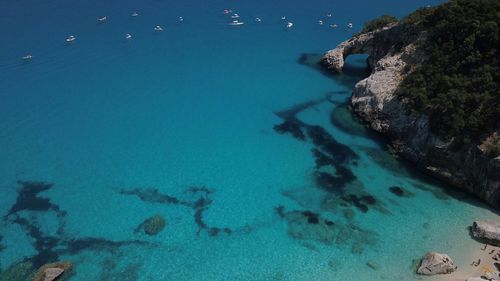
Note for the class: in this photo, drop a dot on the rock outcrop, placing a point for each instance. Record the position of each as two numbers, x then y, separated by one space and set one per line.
391 50
54 271
435 263
487 231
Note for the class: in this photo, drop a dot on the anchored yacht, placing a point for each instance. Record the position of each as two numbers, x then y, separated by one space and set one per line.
236 23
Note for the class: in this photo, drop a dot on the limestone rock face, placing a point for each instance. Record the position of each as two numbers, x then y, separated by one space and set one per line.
435 263
374 99
488 231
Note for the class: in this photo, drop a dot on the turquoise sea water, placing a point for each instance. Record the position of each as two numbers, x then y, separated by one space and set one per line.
101 134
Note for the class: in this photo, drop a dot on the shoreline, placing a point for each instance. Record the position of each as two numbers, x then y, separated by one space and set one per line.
467 270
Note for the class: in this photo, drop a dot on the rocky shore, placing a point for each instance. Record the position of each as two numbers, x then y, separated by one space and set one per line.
392 51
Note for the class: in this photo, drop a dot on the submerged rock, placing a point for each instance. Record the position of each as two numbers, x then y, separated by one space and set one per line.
152 225
307 225
18 272
435 263
373 265
488 231
401 192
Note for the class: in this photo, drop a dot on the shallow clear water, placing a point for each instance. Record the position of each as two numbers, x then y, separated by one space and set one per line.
121 127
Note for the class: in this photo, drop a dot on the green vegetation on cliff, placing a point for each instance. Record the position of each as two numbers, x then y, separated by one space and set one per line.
378 23
458 84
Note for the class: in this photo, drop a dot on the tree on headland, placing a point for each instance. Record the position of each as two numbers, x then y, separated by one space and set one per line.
378 23
458 84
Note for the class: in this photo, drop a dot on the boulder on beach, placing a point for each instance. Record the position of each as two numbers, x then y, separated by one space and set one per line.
487 231
435 263
53 271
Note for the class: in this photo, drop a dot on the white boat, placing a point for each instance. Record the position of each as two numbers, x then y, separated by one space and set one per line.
28 57
333 25
283 18
128 36
135 14
329 15
349 25
181 19
258 20
101 19
235 16
158 28
236 23
320 22
227 11
289 25
70 38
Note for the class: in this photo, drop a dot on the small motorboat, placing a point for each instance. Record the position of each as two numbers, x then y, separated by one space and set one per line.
283 18
258 20
28 57
158 28
289 25
135 14
70 38
320 22
128 36
102 19
181 19
236 23
235 16
227 11
333 25
349 25
329 15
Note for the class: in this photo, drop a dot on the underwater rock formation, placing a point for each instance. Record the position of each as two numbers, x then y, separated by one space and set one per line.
308 225
435 263
22 271
199 203
401 192
152 225
26 213
391 49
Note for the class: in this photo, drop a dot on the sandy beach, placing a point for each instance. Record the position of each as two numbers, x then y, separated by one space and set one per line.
486 264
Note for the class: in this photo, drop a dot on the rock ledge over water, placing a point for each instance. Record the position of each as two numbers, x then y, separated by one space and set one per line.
392 51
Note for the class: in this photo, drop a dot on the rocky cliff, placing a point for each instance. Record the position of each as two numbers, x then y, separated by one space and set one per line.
392 51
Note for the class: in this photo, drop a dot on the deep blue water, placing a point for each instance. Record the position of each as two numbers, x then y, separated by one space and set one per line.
181 123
